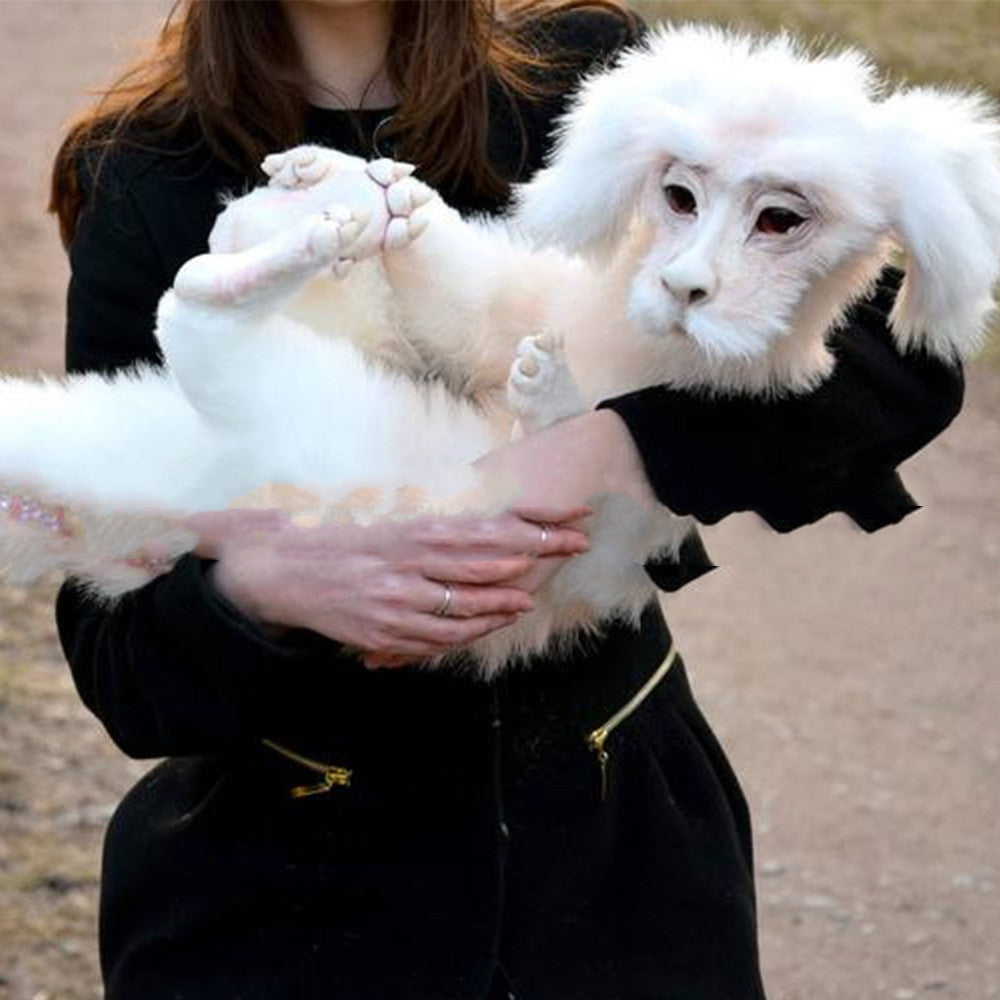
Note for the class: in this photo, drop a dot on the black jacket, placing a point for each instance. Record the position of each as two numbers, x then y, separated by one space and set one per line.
473 830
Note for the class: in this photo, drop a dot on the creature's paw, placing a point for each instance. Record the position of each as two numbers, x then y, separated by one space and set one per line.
333 238
540 388
404 195
305 166
326 239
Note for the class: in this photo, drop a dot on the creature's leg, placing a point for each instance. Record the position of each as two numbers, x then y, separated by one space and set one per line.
263 276
218 328
467 293
540 389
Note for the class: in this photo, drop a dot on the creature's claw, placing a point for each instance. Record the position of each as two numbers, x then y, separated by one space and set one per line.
549 342
397 197
386 171
403 196
420 194
274 164
382 171
396 234
402 232
292 168
416 226
332 233
313 172
540 389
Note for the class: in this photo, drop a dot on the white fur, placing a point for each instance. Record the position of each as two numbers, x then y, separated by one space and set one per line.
395 374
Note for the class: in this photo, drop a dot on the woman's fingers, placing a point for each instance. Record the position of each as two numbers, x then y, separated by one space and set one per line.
403 590
480 571
505 533
450 600
552 515
551 540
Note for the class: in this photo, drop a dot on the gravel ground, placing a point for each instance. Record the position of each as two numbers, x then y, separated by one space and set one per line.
852 678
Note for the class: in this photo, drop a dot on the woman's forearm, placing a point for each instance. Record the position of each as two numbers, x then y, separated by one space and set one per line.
571 462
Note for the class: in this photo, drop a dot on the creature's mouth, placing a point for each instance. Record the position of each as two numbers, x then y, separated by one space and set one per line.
677 329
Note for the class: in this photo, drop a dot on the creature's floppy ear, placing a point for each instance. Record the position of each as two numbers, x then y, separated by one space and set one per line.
941 163
606 144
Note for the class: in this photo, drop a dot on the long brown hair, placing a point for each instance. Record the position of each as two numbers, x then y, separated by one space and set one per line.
232 67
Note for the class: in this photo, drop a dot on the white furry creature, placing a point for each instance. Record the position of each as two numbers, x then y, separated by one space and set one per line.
712 205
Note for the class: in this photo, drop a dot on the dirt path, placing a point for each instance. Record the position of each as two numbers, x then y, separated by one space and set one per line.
870 751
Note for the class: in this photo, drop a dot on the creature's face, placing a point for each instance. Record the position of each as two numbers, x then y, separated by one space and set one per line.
733 255
769 183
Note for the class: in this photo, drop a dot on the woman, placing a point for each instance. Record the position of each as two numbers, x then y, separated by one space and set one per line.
326 830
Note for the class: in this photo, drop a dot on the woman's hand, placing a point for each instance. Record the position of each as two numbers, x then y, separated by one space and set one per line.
377 588
380 588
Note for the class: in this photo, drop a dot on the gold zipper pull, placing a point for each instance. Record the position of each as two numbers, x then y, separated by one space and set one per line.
595 741
597 737
332 777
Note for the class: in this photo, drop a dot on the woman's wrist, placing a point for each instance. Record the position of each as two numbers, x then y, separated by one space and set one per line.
241 604
234 587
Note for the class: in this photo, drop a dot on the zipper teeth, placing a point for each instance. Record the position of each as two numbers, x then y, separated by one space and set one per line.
314 765
636 700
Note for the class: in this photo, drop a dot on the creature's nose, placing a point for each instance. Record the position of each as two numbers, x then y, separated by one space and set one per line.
689 285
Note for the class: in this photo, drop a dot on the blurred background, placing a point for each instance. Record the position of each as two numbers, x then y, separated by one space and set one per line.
854 679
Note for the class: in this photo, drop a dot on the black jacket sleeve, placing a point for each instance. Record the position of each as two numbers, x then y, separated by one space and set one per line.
795 459
172 668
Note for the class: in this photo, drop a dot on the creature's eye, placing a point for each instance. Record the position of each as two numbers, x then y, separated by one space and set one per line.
775 221
680 199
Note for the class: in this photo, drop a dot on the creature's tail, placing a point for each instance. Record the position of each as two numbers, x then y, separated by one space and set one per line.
90 468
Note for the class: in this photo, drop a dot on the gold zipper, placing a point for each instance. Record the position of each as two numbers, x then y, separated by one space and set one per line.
597 737
333 776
